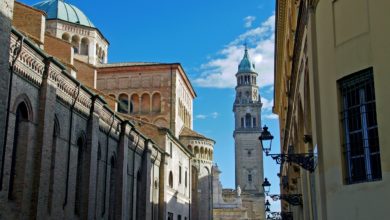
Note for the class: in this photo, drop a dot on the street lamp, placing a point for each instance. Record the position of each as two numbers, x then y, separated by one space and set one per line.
266 137
304 160
267 205
266 186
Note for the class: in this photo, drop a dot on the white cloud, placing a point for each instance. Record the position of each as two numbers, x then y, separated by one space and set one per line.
267 104
219 72
201 117
271 116
248 21
212 115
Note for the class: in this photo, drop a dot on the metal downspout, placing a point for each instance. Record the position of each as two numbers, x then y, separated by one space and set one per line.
132 182
105 170
70 145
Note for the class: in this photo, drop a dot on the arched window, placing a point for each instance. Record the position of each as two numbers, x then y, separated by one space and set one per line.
145 103
123 105
84 46
254 122
196 151
65 37
179 174
170 179
185 179
242 122
79 174
76 43
156 103
112 95
19 152
135 103
248 119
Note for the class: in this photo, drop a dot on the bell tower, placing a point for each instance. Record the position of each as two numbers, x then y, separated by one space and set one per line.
247 111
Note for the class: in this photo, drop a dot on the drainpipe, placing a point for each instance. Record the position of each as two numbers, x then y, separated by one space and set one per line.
70 144
171 115
189 185
105 170
132 183
14 59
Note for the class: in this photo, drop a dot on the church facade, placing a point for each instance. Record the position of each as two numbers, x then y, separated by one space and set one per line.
84 139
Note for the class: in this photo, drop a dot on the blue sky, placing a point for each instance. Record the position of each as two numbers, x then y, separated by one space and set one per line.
207 38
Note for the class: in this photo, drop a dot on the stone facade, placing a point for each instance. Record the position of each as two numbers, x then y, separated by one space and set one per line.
332 56
70 155
85 160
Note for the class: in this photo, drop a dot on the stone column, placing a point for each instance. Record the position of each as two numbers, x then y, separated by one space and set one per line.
6 13
121 178
44 142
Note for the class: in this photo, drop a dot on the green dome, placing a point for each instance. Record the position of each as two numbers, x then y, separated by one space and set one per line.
246 65
58 9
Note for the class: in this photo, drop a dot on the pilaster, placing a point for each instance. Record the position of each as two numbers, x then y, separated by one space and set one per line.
121 183
44 143
90 161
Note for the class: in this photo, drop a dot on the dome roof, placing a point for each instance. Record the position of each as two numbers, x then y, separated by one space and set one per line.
246 65
58 9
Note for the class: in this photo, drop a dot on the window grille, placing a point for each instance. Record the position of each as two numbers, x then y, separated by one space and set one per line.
358 116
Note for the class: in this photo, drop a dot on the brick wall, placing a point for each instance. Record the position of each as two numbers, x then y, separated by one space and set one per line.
30 21
58 48
85 73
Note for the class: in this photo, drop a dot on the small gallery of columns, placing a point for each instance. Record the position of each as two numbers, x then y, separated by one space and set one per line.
81 46
138 104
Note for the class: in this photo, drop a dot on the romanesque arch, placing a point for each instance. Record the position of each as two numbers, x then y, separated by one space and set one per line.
196 151
19 153
65 37
156 102
123 105
145 103
135 103
248 119
84 46
170 179
76 43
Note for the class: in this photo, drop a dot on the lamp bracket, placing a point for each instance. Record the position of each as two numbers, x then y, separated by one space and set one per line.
292 199
305 160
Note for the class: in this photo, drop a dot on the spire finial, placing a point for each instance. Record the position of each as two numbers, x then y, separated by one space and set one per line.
246 45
